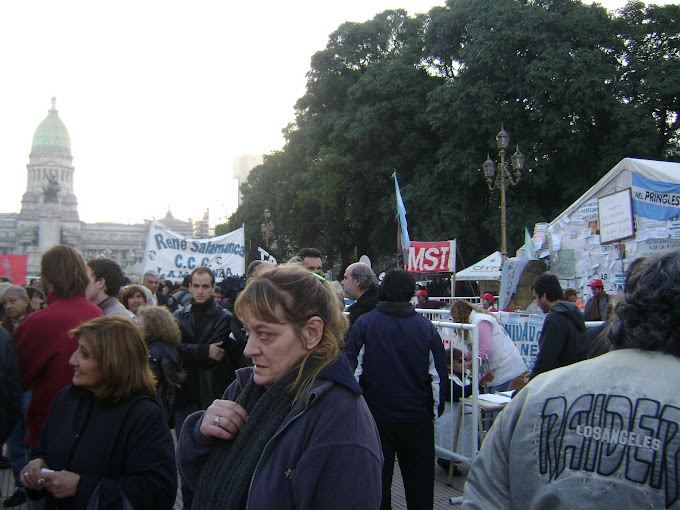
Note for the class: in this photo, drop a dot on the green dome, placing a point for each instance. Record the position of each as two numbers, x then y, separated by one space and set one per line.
51 137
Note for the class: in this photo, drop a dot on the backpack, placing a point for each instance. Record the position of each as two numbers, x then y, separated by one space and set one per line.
178 300
169 377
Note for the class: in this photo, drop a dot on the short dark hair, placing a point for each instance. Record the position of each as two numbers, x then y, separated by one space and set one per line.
203 270
309 252
647 315
33 292
398 286
111 272
63 268
549 285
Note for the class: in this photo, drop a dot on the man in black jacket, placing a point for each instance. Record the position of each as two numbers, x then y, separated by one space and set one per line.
562 341
359 283
205 350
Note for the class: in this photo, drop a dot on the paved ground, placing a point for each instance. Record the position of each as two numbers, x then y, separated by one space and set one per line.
442 492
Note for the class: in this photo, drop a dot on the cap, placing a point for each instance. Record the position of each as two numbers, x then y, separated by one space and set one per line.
570 292
488 296
596 282
421 293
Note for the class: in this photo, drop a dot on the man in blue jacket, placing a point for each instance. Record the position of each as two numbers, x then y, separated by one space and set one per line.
400 363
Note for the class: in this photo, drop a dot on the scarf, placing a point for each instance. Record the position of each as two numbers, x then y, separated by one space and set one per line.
226 474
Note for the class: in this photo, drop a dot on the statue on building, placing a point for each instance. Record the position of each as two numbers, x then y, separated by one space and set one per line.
51 190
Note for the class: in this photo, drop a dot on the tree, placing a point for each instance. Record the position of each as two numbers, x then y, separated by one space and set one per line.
424 96
547 70
650 71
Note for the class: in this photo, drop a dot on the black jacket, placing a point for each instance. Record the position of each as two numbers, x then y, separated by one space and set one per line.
77 438
166 366
206 379
10 386
364 304
562 341
162 298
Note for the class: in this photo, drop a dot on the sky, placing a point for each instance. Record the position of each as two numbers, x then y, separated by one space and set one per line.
160 97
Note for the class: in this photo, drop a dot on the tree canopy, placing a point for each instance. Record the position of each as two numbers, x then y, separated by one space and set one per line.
578 88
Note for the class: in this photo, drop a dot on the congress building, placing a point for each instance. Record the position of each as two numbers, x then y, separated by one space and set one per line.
49 210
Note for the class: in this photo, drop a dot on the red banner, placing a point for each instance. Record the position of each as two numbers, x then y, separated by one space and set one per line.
14 268
432 257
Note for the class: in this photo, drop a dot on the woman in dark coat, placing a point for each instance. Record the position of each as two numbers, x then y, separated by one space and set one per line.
106 433
292 431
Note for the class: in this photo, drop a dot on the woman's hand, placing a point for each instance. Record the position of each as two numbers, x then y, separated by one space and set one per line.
62 484
223 419
30 474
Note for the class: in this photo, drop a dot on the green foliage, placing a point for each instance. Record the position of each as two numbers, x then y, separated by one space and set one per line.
577 87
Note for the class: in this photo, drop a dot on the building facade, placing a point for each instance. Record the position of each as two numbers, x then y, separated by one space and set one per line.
49 210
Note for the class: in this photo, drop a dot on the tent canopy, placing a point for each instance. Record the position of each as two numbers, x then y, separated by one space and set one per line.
488 269
619 177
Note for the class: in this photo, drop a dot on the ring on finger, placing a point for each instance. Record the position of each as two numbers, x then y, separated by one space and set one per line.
26 474
216 422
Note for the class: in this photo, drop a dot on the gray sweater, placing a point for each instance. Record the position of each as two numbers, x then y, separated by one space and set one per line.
111 306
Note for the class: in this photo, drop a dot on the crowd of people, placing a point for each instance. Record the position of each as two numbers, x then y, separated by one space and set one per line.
280 394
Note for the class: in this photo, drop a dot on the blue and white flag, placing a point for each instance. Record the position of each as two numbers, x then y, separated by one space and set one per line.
654 199
403 241
529 249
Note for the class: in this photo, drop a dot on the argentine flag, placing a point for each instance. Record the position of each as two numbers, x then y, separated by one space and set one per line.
655 199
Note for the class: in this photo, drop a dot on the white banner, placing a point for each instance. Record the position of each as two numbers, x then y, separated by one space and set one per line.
175 256
525 331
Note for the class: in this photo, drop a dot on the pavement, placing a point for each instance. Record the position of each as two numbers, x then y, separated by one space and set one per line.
442 491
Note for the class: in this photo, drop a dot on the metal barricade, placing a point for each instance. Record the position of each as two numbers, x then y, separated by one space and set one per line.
474 344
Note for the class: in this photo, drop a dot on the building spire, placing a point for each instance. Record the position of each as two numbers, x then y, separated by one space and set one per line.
54 105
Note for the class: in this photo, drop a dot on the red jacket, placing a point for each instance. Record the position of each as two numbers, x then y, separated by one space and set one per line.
44 348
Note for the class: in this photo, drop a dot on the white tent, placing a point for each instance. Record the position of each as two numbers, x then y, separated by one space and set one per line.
488 269
573 240
620 177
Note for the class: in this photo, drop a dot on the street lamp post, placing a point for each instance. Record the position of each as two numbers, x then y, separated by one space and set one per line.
267 227
503 178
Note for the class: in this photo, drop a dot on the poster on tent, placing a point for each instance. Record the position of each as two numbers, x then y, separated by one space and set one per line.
432 257
524 330
616 217
174 256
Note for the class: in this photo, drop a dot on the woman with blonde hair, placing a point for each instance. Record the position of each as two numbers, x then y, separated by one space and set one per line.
292 431
105 438
501 361
162 334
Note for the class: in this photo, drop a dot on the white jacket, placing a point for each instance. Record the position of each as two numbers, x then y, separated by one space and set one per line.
505 360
